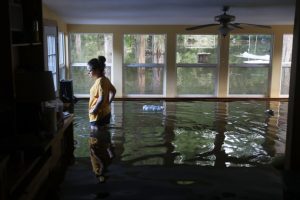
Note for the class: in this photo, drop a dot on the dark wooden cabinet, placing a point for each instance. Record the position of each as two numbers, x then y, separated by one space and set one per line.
6 76
26 31
23 47
27 159
22 50
32 164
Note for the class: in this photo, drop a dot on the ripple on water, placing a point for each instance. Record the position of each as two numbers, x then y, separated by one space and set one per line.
194 133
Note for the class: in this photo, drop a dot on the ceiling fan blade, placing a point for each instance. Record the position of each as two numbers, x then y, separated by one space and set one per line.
201 26
257 25
235 25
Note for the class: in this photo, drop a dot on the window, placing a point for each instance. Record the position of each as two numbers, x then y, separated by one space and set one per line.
50 52
61 57
83 47
144 64
287 48
52 58
249 64
196 61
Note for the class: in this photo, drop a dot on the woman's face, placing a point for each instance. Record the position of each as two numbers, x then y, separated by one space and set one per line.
91 72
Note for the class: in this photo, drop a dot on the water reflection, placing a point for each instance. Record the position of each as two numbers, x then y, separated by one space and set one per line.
101 151
194 133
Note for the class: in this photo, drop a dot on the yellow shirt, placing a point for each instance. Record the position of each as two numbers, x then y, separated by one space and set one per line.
101 87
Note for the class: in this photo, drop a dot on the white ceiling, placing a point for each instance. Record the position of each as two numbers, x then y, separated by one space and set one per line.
171 12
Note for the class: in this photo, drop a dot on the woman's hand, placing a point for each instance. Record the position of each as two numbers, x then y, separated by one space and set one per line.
92 111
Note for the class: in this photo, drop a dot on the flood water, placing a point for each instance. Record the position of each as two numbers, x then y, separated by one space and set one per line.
205 133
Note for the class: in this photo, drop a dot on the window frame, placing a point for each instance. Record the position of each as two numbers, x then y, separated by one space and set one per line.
52 57
282 67
200 65
61 55
146 65
269 66
84 64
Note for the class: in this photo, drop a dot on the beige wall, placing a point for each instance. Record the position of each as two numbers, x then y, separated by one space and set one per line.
276 62
50 15
171 31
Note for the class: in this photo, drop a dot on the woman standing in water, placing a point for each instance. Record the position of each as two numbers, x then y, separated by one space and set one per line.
102 93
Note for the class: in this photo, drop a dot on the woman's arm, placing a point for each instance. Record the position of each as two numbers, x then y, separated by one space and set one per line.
113 93
97 105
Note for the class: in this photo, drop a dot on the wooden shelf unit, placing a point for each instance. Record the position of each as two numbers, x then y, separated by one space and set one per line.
27 161
26 175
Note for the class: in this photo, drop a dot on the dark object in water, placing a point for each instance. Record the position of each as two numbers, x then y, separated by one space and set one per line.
269 112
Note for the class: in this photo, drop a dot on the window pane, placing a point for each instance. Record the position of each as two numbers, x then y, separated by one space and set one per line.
250 49
55 80
196 80
197 49
61 48
52 63
51 52
286 63
196 59
144 49
248 80
82 82
143 80
144 63
61 58
83 47
249 63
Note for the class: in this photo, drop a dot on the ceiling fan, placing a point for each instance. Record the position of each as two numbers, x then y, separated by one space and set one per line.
226 23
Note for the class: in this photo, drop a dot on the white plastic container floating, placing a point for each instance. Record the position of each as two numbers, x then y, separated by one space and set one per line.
152 108
269 112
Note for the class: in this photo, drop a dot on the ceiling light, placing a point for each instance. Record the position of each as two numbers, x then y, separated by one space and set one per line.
224 30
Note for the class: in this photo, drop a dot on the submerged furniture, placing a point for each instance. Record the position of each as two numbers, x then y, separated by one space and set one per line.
66 94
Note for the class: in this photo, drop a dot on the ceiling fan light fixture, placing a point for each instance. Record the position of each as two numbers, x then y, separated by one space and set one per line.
225 21
224 30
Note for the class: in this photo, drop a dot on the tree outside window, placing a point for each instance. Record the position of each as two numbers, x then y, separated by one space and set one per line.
83 47
249 64
196 61
144 64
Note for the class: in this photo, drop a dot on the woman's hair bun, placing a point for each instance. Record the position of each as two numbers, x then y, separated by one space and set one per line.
102 59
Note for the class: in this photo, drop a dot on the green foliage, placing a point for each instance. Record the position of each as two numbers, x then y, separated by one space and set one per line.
196 80
129 49
253 44
144 49
245 80
85 46
82 82
189 46
190 80
186 55
151 86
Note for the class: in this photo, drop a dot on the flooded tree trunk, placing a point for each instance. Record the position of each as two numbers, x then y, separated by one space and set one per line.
141 59
78 45
157 70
